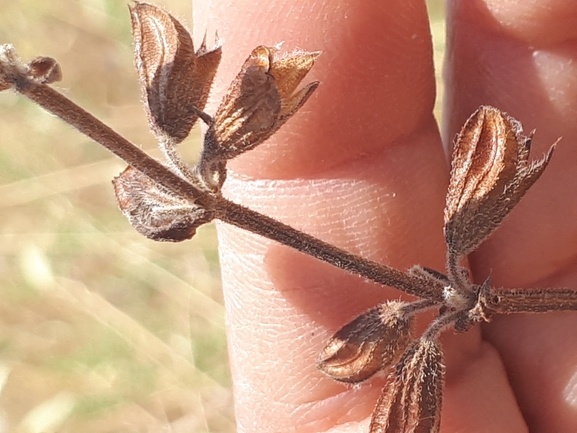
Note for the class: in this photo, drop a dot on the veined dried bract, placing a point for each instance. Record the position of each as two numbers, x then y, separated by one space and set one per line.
175 79
490 173
259 101
155 212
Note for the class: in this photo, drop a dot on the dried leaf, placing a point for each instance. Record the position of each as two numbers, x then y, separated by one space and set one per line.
260 99
371 342
174 79
154 211
490 174
411 401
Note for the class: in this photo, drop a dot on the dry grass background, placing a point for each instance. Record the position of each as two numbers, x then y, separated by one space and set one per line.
101 330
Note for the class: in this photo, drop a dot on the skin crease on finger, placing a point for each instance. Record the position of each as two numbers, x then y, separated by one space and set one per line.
521 57
367 135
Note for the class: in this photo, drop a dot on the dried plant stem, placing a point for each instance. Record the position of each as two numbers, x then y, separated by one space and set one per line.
507 301
500 301
247 219
457 275
89 125
224 209
440 324
169 149
416 307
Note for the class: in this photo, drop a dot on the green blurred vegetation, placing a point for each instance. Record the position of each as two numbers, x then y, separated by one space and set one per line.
101 330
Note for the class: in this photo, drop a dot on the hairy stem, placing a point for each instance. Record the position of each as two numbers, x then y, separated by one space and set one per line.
419 306
225 210
247 219
89 125
169 149
441 323
507 301
458 276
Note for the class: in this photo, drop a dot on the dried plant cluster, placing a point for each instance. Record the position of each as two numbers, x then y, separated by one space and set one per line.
175 82
167 201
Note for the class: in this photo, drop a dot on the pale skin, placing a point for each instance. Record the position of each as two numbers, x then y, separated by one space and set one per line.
362 166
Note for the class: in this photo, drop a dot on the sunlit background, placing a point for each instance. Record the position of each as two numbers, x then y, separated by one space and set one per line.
101 330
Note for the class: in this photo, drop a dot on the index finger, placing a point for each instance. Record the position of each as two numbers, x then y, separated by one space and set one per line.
361 166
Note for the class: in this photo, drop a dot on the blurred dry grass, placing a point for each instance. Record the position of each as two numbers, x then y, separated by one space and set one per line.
101 330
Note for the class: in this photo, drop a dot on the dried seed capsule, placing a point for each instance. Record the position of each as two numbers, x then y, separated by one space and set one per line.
411 402
174 79
490 173
259 101
371 342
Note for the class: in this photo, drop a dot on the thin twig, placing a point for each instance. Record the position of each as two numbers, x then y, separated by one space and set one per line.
225 210
507 301
255 222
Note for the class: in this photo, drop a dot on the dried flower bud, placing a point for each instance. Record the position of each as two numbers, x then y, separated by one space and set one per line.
13 72
490 173
411 401
45 70
371 342
259 101
175 80
154 211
